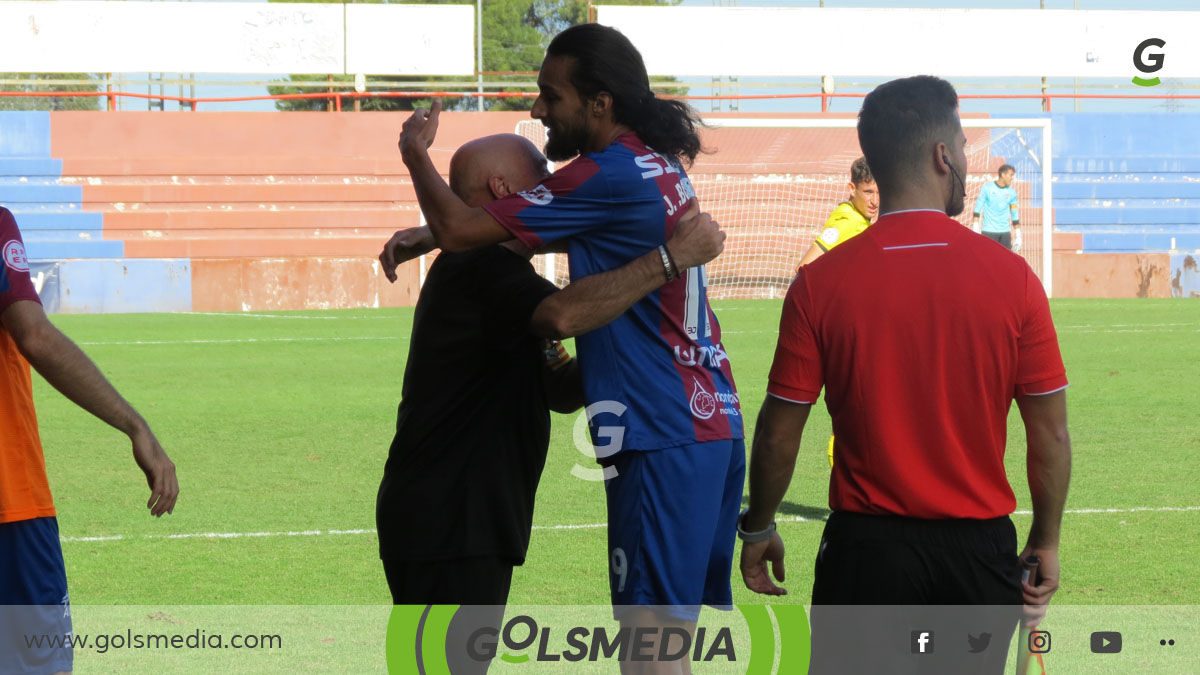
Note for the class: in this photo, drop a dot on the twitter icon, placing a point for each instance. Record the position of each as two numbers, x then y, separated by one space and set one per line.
978 644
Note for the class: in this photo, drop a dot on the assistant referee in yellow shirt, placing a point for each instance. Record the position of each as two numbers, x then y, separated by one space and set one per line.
848 220
850 217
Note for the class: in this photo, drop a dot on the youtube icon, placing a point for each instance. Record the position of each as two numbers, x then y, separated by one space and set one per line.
1106 642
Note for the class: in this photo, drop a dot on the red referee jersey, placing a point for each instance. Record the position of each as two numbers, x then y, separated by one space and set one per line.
921 333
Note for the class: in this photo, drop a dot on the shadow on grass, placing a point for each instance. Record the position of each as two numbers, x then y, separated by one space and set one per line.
793 509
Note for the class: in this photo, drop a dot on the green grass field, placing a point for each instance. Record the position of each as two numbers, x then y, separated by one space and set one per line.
280 423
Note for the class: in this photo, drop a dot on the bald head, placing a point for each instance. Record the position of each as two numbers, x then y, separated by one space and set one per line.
491 167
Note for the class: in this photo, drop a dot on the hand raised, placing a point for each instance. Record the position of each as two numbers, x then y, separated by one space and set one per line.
696 241
420 128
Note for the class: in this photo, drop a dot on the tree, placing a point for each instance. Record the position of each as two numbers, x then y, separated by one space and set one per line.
515 36
50 102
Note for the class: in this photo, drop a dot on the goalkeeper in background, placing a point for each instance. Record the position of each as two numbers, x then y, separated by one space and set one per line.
850 217
996 204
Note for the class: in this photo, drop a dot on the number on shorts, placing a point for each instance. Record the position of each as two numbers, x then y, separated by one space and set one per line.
620 567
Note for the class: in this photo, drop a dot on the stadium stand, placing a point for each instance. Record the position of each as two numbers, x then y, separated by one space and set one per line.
1127 202
49 209
213 211
149 211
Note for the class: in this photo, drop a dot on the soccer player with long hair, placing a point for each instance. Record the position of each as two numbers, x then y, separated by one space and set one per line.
674 485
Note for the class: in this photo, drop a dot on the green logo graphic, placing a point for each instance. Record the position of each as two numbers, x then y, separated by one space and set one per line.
1149 63
421 639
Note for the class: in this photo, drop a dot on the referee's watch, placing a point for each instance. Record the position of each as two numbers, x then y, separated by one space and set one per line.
753 537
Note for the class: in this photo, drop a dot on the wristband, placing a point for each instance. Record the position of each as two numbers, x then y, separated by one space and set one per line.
668 265
678 272
754 537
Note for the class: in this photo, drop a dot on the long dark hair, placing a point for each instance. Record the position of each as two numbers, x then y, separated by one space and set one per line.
605 60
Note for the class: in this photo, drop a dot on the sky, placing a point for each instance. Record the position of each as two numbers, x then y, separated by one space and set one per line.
704 87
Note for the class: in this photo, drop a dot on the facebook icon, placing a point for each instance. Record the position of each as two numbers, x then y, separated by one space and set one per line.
922 642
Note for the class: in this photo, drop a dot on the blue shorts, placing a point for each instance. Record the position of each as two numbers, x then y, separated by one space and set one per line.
672 522
34 607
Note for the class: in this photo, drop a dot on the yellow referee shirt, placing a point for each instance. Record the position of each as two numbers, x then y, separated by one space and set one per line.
844 224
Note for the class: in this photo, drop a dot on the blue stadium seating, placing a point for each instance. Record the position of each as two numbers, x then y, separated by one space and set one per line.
49 213
1129 182
25 134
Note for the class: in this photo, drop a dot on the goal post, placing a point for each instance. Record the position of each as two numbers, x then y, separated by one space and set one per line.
772 183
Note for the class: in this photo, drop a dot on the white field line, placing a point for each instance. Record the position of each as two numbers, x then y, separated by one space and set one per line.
238 340
582 526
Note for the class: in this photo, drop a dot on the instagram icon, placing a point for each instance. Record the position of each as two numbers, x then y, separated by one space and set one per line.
1039 642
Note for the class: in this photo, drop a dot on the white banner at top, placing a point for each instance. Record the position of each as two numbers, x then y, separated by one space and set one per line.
65 36
785 42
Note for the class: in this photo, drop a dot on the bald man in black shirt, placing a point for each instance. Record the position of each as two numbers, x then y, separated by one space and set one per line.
455 507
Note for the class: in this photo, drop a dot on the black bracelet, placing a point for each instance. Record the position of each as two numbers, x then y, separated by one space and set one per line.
674 268
669 270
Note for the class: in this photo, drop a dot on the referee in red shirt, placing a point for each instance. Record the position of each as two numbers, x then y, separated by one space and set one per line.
922 333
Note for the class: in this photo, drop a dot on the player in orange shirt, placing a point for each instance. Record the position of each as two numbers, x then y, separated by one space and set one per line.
33 579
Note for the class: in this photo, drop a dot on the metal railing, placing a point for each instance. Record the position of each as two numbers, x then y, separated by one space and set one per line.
337 98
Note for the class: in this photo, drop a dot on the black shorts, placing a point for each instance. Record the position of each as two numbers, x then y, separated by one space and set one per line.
482 580
1002 238
882 580
478 585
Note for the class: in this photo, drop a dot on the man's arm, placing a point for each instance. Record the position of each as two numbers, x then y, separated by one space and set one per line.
71 372
1016 220
405 245
813 253
1048 464
836 229
777 437
596 300
415 242
454 225
980 202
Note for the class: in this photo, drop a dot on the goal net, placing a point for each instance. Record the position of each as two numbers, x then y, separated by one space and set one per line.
772 182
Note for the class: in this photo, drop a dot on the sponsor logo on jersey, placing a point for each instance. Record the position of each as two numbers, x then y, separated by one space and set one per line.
699 356
539 195
14 255
703 403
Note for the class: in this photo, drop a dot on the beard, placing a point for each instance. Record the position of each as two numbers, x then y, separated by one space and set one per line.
955 204
956 200
565 140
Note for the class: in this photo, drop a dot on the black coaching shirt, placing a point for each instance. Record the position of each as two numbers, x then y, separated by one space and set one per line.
473 425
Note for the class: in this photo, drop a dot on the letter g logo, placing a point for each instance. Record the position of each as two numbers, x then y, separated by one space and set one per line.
1149 63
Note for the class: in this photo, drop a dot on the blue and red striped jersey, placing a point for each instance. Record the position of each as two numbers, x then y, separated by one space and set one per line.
658 376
